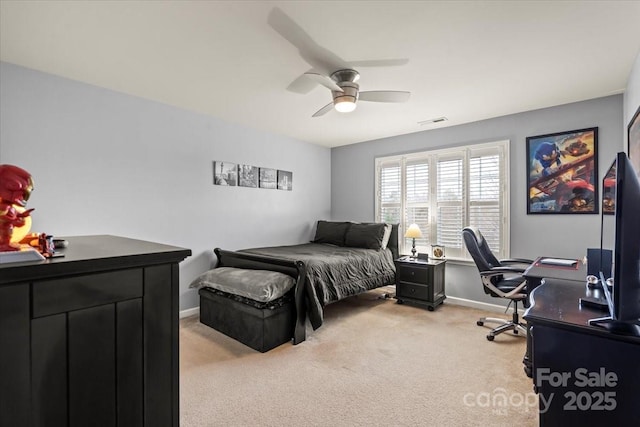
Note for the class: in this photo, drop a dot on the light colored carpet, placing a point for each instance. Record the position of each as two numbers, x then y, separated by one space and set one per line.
372 363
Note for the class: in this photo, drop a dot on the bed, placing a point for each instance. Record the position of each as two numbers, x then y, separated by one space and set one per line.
344 260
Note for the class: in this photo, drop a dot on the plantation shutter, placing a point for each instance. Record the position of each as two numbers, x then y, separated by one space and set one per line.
417 201
485 198
450 205
444 191
389 203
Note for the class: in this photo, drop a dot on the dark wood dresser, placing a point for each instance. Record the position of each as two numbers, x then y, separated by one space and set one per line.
91 339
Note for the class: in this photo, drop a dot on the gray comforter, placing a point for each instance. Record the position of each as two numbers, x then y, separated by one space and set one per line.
335 272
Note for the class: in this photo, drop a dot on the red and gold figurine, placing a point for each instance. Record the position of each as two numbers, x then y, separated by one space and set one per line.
16 185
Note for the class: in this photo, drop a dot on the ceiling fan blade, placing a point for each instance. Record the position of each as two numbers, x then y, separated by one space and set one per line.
324 110
384 96
324 81
380 63
303 84
310 80
315 55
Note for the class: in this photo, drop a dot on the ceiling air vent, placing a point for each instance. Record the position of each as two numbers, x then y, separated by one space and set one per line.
428 122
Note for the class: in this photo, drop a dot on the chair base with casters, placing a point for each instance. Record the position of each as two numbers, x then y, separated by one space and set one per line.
513 325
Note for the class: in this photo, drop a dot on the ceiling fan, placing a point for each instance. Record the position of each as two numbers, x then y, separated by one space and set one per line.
346 92
331 71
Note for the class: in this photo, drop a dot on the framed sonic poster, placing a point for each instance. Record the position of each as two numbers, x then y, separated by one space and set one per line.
562 173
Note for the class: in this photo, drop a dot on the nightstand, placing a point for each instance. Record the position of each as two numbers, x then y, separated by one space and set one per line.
420 282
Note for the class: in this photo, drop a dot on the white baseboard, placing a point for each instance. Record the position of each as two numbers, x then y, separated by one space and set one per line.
189 312
480 305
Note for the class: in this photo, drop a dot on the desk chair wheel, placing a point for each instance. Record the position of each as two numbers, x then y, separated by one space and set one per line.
490 337
480 323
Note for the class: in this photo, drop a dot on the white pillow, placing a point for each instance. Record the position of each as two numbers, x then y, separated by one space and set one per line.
386 236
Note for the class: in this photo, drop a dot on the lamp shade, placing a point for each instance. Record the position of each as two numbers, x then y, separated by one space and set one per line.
413 232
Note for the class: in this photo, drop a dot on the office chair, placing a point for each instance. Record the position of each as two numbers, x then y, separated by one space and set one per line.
500 279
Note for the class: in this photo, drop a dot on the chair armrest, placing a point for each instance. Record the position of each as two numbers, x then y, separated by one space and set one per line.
516 261
501 270
519 292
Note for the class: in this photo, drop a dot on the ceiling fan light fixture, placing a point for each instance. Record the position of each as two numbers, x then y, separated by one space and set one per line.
344 104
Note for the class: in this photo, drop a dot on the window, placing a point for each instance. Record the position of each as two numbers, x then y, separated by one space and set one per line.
444 191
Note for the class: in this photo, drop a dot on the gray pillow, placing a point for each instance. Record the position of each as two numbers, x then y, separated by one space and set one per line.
331 232
258 285
368 236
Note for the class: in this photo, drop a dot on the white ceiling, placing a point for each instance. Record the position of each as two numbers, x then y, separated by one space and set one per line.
467 60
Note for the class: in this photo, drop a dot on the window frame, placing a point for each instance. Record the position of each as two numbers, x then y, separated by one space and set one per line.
466 152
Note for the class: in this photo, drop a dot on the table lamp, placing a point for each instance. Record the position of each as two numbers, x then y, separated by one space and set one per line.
413 232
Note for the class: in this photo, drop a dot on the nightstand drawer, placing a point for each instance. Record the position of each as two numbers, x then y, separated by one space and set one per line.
412 274
409 290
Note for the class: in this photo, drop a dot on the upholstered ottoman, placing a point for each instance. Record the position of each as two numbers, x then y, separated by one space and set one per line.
225 306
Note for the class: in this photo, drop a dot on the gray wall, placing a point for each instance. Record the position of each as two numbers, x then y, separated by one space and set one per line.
352 178
632 95
109 163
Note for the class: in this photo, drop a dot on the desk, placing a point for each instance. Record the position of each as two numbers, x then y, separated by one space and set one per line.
534 275
583 375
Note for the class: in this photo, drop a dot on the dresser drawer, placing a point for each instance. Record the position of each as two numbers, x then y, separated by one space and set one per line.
412 274
91 290
410 290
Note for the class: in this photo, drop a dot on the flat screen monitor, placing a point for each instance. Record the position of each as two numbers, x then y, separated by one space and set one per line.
621 233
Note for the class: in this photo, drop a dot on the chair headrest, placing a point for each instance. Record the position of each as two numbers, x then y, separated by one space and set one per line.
477 234
479 249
